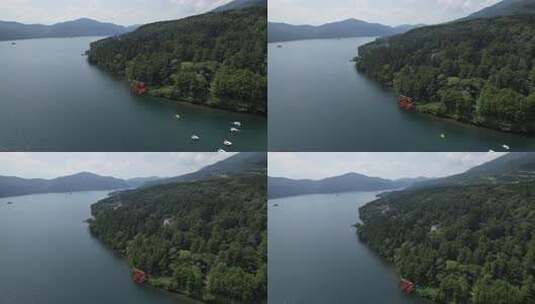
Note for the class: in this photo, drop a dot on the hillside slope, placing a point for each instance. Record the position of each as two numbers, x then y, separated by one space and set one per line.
215 59
480 72
505 8
462 242
240 4
206 239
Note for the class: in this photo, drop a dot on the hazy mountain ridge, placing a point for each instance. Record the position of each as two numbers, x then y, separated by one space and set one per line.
240 4
278 32
284 187
85 181
510 168
234 165
74 28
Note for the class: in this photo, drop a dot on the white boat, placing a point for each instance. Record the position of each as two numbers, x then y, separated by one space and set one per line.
221 150
442 135
227 143
491 151
506 147
195 137
237 123
177 116
234 130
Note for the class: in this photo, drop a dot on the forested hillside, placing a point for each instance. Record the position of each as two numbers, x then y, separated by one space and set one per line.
470 243
480 71
206 239
216 59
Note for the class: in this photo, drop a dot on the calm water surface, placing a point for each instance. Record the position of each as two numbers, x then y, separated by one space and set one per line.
315 255
319 102
48 256
51 99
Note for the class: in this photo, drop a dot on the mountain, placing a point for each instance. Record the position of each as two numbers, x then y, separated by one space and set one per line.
245 162
479 72
12 186
505 8
282 187
463 239
240 4
79 27
510 168
217 59
341 29
206 239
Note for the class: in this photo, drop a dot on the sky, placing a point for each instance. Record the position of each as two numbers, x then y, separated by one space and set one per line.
385 165
389 12
123 12
120 165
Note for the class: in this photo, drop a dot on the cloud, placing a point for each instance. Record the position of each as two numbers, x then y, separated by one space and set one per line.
122 165
116 11
382 11
386 165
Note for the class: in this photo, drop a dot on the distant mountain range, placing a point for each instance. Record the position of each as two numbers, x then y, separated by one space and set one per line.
283 187
505 8
79 27
85 181
342 29
242 163
236 164
239 4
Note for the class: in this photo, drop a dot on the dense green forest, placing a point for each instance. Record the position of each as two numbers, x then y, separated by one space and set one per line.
459 244
206 239
480 71
215 59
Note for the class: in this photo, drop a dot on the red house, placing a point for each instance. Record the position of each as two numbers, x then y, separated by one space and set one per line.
407 286
139 88
406 103
139 276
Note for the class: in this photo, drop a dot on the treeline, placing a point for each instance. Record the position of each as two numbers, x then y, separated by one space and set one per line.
463 244
215 59
480 71
206 239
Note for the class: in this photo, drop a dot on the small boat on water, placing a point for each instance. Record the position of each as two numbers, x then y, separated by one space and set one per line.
275 205
10 203
506 147
237 124
195 137
406 286
443 136
13 43
139 276
177 116
221 150
234 130
227 143
491 151
279 46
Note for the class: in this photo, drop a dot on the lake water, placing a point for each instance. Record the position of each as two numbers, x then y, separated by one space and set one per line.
47 255
315 255
319 102
51 99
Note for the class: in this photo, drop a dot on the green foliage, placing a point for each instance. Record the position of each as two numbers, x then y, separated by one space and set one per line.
215 59
206 239
460 244
482 70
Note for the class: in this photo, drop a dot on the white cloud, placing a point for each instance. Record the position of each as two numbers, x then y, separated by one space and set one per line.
116 11
382 11
386 165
